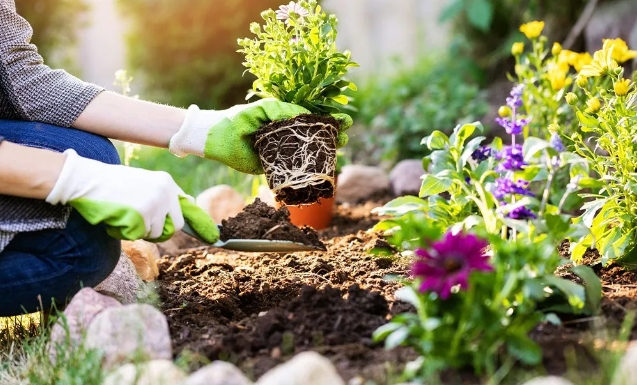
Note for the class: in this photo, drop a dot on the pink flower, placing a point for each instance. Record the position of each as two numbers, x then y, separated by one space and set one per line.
283 13
449 262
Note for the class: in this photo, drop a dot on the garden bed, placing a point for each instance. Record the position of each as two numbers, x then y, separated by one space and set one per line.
257 310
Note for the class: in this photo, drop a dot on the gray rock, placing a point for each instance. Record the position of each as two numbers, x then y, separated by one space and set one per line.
217 373
69 329
307 368
358 182
221 202
123 284
406 177
550 380
129 333
157 372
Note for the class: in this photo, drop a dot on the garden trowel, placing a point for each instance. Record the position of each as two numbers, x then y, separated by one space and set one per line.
254 245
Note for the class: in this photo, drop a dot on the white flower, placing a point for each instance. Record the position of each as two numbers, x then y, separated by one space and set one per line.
283 13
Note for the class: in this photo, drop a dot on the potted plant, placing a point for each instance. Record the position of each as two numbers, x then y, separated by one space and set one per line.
295 60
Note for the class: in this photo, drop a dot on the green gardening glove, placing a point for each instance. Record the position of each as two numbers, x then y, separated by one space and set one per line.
225 135
133 203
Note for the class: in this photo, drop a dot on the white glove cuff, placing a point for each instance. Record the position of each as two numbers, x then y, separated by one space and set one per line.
193 134
62 190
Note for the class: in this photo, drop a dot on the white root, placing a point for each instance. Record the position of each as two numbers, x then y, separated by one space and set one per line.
309 141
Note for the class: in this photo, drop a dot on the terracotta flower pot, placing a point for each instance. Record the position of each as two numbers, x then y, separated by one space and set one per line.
316 215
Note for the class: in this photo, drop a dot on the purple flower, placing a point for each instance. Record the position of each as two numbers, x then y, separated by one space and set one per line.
449 262
515 100
504 187
283 13
556 143
521 212
511 157
512 127
482 153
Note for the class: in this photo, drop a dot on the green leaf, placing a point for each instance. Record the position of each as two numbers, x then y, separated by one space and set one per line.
532 146
452 10
302 93
480 14
396 338
586 119
593 286
590 209
575 293
432 185
314 36
342 99
461 133
385 330
558 225
470 148
401 206
409 295
524 348
437 140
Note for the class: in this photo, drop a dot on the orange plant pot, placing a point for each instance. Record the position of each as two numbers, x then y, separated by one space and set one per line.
316 215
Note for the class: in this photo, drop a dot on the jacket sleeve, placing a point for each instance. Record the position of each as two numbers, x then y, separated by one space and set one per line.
30 90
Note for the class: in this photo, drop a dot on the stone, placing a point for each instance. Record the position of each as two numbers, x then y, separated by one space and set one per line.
157 372
123 284
307 368
357 183
144 256
82 309
127 333
406 177
625 371
221 202
217 373
549 380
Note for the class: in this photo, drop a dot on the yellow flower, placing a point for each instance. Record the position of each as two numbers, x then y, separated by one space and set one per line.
621 53
581 60
621 87
532 29
557 48
517 49
558 77
593 105
602 61
567 56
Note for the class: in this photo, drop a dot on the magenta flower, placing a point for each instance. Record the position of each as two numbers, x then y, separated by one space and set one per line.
449 262
283 13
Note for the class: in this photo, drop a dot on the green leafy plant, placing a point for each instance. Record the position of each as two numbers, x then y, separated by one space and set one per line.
606 139
295 60
472 305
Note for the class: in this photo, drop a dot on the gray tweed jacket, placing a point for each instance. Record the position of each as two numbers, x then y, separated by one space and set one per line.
31 91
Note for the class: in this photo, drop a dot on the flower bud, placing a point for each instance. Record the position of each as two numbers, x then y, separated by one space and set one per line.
593 105
621 87
553 128
557 48
581 81
255 28
504 111
571 98
517 49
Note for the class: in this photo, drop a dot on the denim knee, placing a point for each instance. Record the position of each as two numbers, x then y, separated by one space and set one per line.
60 139
44 267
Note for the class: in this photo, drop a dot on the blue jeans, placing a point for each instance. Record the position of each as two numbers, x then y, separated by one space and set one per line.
46 267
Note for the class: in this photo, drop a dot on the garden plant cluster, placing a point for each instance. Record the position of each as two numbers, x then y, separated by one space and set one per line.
485 230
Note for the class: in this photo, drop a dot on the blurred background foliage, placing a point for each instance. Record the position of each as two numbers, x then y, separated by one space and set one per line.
184 52
55 26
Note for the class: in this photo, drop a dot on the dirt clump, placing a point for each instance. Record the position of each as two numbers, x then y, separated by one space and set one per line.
259 220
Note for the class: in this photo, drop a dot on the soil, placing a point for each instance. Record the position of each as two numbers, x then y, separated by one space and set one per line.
308 143
258 310
259 220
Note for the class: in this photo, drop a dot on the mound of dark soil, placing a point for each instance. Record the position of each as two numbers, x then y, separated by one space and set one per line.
258 220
